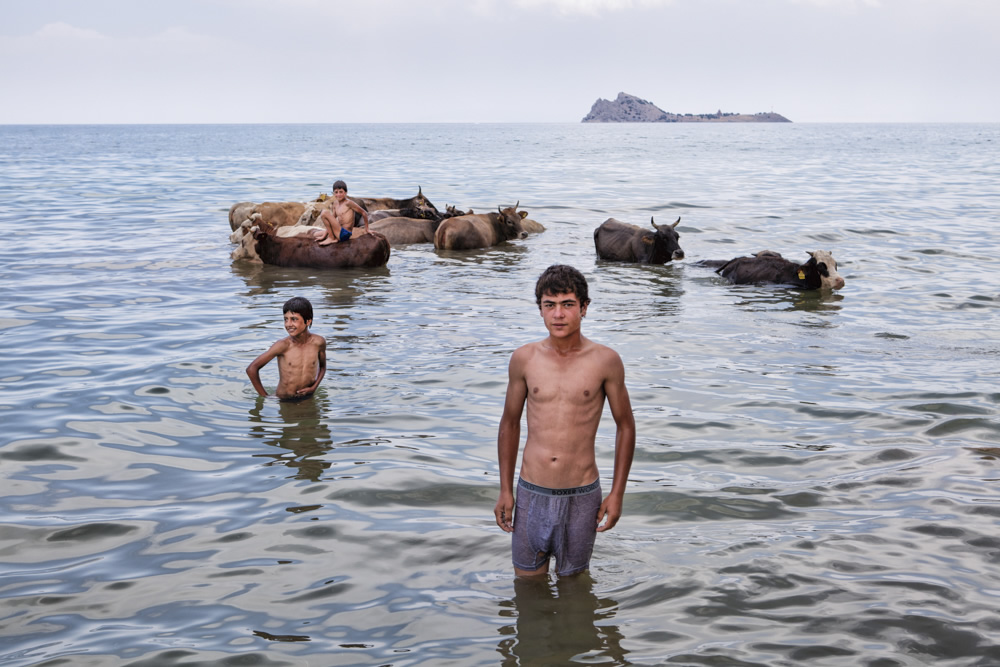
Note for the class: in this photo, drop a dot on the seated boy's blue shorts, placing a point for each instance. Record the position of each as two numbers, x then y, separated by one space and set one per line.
345 234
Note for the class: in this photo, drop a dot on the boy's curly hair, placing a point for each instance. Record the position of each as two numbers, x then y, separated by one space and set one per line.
560 279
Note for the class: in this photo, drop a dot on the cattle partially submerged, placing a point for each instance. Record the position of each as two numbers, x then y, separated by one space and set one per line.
420 212
372 204
278 214
404 231
769 267
623 242
480 230
302 250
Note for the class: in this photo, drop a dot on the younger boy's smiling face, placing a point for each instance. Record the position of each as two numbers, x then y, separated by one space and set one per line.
294 324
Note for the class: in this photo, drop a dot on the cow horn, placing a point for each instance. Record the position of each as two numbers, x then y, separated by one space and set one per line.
674 226
652 221
517 204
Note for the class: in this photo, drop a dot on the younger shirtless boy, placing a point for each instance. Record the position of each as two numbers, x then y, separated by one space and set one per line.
339 222
564 380
301 356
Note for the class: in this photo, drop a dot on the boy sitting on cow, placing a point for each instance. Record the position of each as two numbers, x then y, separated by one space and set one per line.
339 222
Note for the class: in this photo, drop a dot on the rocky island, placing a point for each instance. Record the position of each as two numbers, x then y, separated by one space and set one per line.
631 109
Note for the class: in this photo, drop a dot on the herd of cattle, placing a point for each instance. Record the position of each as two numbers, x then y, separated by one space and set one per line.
284 234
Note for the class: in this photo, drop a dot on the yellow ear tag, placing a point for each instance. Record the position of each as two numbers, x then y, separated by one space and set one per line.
802 275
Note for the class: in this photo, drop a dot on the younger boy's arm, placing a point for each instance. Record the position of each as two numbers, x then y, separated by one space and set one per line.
253 370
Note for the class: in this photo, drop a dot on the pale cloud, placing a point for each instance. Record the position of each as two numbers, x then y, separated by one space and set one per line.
590 7
839 4
62 30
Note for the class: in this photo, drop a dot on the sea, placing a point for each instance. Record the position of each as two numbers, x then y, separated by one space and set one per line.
816 478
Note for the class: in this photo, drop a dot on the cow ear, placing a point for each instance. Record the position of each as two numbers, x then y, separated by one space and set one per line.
648 240
523 214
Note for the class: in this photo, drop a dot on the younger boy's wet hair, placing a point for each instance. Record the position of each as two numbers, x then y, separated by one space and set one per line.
340 185
300 305
561 279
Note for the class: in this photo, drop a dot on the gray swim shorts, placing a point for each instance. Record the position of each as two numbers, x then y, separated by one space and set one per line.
555 522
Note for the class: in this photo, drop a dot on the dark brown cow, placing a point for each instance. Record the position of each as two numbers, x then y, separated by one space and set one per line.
372 204
621 242
480 230
363 250
767 266
403 231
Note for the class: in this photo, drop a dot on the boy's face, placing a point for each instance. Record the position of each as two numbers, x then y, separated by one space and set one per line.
295 325
340 194
562 313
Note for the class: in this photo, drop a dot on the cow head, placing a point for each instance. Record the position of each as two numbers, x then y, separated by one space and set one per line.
666 242
422 201
823 264
510 222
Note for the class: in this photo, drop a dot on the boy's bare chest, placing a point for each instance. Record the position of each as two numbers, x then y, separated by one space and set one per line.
564 383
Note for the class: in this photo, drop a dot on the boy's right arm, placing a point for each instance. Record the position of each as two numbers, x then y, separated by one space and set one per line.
253 370
509 440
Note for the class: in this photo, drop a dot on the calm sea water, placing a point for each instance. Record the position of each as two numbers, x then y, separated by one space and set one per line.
815 479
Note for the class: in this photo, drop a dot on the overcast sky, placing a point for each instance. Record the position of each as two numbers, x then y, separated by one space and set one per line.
333 61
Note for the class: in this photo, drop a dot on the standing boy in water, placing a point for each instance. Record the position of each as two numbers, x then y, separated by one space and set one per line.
301 356
564 379
339 222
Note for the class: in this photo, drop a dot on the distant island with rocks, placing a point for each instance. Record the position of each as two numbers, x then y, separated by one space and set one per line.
631 109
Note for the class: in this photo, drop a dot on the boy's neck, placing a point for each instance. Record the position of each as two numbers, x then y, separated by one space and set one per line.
567 345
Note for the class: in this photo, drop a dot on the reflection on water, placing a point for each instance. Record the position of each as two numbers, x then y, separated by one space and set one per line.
815 479
300 430
559 622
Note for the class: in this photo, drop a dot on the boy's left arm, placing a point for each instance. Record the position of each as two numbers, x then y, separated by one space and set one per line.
621 411
363 212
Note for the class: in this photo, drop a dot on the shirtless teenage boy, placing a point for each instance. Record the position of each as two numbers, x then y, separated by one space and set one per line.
339 222
301 356
564 380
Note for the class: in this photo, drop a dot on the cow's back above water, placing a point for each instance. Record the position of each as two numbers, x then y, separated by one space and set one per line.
623 242
480 230
769 267
302 251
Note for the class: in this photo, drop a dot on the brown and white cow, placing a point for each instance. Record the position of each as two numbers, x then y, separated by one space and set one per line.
278 214
622 242
767 266
480 230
